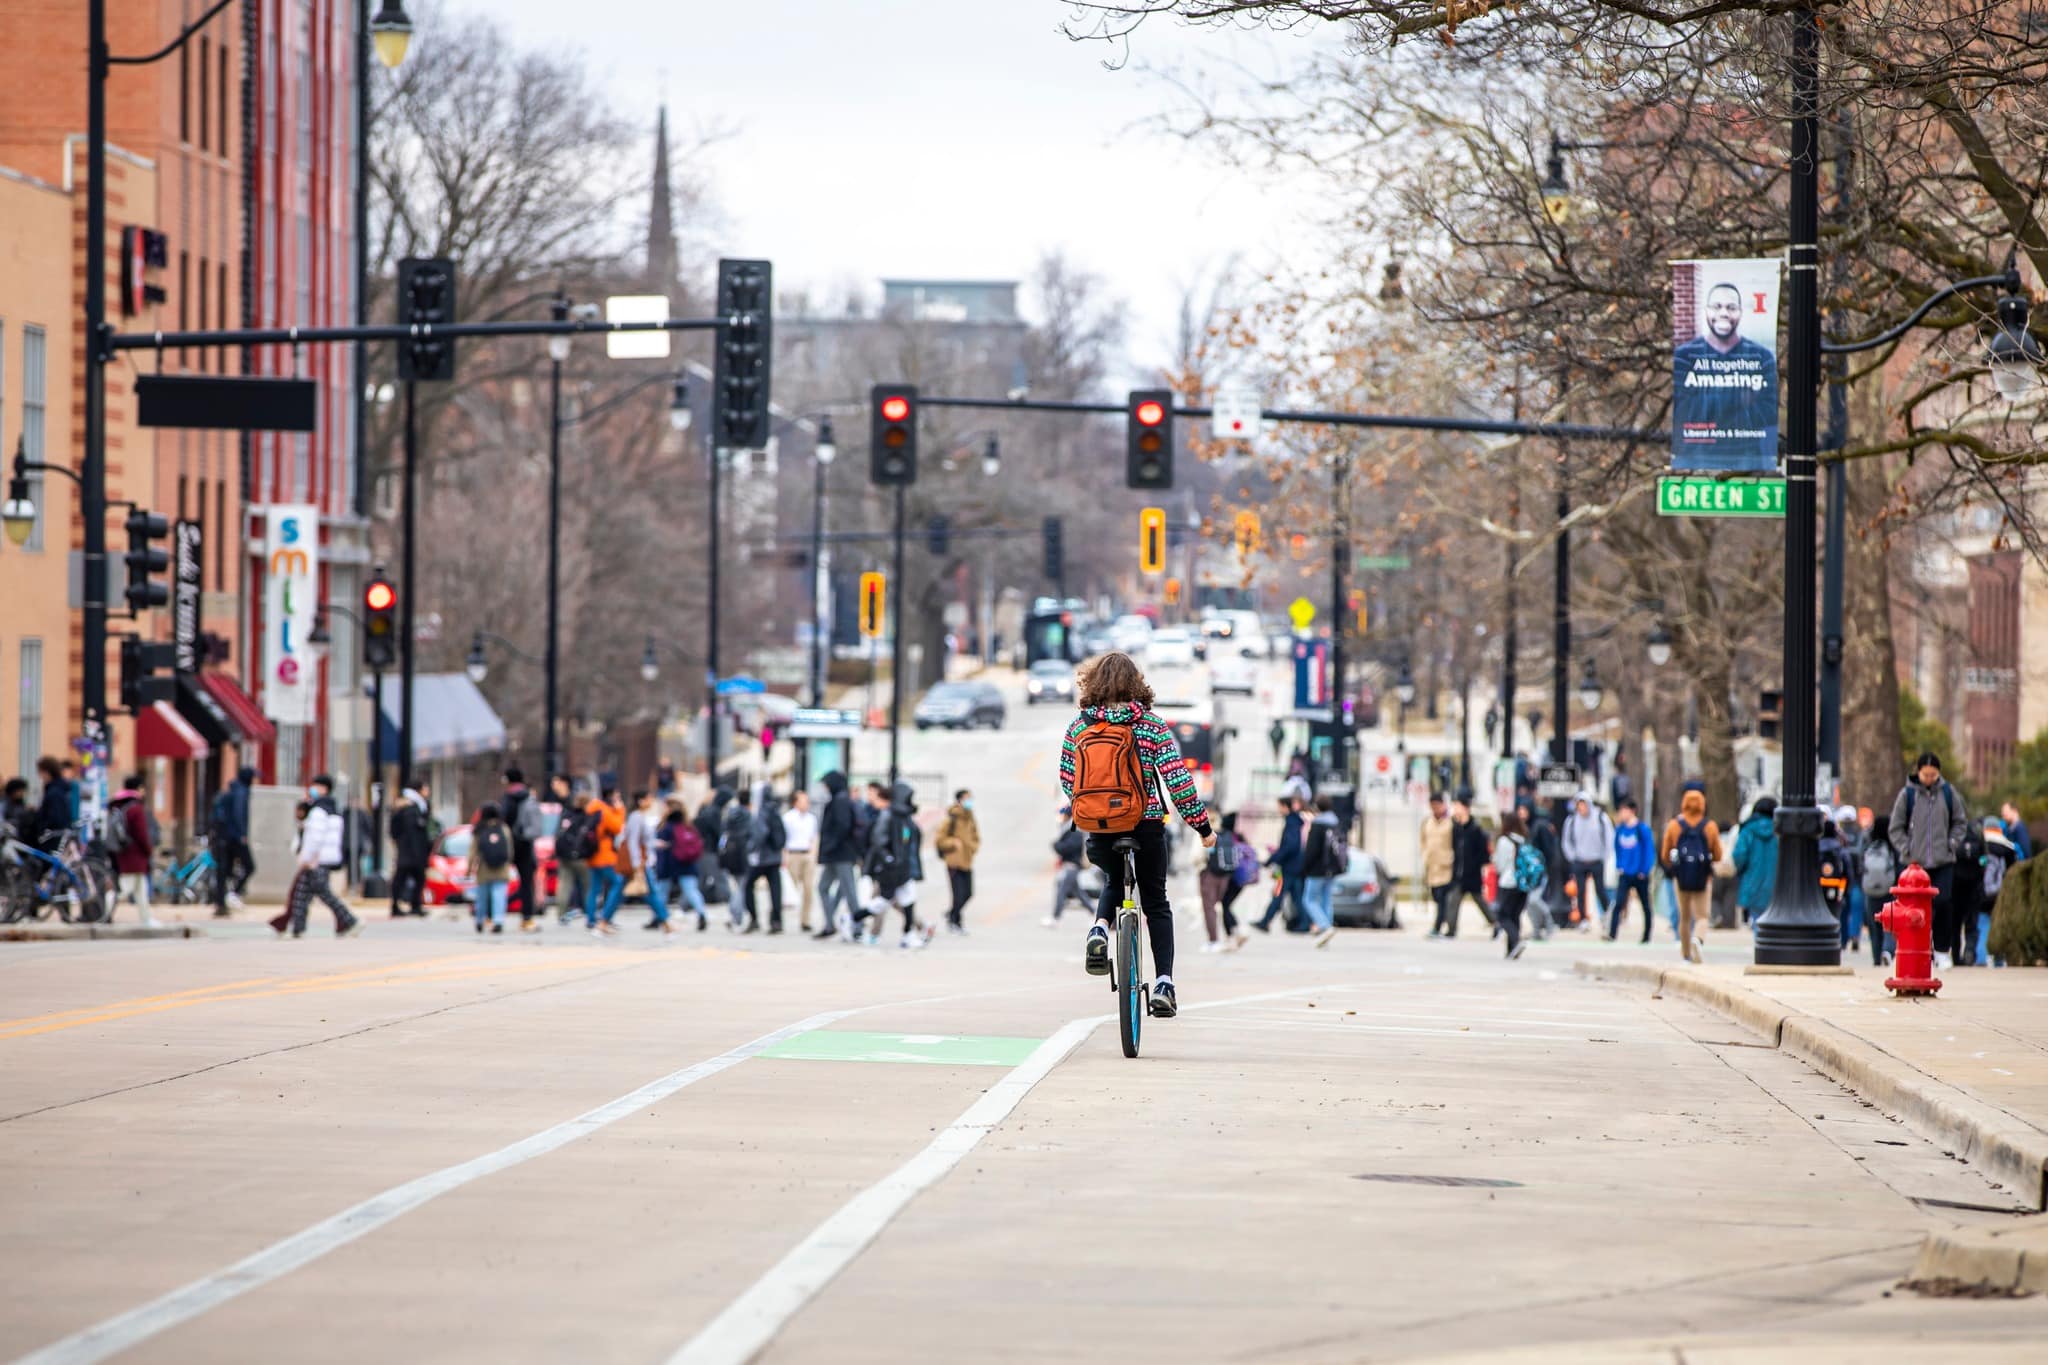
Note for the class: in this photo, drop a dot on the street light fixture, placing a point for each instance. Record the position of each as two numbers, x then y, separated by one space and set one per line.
1555 190
1404 686
2015 357
391 33
679 404
1659 645
319 638
18 513
650 665
991 458
825 451
476 665
1590 692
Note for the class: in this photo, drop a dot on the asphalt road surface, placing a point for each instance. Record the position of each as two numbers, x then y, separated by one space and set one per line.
419 1145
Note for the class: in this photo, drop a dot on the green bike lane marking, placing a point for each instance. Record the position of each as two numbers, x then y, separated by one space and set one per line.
939 1049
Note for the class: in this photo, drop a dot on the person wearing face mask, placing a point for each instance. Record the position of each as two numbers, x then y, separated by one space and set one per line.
958 840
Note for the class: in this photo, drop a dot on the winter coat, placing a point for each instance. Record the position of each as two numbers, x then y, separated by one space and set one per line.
667 866
611 823
710 819
522 815
766 836
1586 837
735 834
838 829
636 841
958 838
1692 809
1933 836
1634 855
320 835
1543 834
478 868
1323 853
1287 856
53 816
127 807
1437 860
1468 856
887 825
1504 850
1756 862
410 838
1158 758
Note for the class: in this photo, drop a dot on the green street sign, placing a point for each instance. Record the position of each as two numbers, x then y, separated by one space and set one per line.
1679 496
1366 562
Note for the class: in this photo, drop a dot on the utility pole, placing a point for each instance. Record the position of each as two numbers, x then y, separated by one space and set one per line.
1797 929
558 308
1340 551
1561 618
896 647
711 631
1831 642
410 572
92 467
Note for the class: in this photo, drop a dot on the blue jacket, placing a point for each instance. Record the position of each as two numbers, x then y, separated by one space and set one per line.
1756 862
1635 851
1287 857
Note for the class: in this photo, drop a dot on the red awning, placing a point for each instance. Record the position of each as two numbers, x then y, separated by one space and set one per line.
241 708
160 732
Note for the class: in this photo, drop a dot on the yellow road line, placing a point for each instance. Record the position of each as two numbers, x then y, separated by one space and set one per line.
315 986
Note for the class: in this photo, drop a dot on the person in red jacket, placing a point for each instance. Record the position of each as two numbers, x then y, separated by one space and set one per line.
130 843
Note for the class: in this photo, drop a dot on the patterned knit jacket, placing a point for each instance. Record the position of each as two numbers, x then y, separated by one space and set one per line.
1158 755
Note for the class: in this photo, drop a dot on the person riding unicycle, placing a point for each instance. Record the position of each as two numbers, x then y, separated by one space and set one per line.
1119 765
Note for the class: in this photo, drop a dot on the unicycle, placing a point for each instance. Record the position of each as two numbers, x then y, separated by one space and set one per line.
1126 981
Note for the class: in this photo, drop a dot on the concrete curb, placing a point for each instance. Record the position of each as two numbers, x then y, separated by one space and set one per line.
37 932
2014 1257
2005 1148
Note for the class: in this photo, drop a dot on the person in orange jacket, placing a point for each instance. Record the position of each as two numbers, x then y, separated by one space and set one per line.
608 813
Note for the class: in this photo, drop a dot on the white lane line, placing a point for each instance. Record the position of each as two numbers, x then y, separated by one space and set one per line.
752 1320
137 1325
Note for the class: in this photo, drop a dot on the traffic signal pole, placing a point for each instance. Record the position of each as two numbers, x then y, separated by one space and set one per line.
896 648
409 572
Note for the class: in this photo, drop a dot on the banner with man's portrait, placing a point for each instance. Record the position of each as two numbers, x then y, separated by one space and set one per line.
1724 366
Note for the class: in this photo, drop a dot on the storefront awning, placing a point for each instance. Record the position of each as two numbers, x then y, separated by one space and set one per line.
256 727
204 713
450 719
160 732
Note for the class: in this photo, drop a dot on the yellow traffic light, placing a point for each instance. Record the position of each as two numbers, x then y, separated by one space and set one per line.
1247 533
1152 540
873 613
1173 592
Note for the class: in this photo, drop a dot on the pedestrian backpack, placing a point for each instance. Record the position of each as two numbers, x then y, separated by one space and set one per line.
1834 876
514 803
1529 868
117 840
1070 845
1691 863
686 845
579 835
889 864
1877 873
493 849
1994 874
1336 854
222 813
765 836
1109 781
1247 869
1223 857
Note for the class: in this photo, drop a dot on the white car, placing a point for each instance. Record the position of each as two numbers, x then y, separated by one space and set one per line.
1132 633
1230 672
1245 636
1172 647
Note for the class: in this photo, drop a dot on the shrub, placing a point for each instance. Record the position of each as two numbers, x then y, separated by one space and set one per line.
2019 921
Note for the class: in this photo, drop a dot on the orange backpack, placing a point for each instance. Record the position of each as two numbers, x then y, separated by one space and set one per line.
1109 781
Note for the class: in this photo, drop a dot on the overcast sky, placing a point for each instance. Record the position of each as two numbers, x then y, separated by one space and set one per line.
941 138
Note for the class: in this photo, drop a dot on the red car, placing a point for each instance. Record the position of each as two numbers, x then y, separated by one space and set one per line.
448 879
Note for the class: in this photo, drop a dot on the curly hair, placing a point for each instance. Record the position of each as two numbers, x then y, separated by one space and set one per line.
1113 679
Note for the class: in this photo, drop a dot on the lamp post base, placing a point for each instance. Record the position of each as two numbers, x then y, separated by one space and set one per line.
1798 930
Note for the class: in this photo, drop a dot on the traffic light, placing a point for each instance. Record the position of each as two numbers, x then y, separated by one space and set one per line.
1055 565
146 672
1173 592
938 535
1247 531
739 377
1770 713
873 608
426 296
145 561
892 434
380 626
1148 444
1152 540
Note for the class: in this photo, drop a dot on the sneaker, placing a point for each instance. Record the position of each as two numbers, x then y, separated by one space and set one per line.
498 927
1212 947
1096 955
527 926
1238 940
1164 1006
1517 950
234 900
1323 939
596 931
1048 923
479 926
282 923
349 930
957 929
702 924
608 929
652 924
868 940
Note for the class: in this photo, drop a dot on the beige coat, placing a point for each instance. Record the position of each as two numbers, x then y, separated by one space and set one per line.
958 838
1436 850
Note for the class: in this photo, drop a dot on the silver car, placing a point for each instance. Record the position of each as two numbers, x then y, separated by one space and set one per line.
1363 897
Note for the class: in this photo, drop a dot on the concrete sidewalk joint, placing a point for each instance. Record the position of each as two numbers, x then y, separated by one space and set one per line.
2007 1149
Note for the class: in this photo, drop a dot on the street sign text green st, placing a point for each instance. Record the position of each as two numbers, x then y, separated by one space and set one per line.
1710 497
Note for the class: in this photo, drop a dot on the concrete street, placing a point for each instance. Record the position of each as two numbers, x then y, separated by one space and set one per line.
421 1145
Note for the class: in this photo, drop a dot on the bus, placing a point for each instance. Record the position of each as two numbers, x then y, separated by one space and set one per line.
1054 630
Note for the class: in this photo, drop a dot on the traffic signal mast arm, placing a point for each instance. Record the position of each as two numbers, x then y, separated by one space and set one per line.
1560 431
288 336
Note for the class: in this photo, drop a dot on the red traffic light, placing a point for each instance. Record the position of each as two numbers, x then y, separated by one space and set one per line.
895 408
379 596
1149 413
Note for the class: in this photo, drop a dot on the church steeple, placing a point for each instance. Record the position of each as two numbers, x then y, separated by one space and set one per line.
661 228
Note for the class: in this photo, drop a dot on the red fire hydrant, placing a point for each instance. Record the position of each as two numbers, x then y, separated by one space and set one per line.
1910 918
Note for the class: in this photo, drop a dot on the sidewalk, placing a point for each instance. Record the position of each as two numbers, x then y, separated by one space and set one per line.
1968 1067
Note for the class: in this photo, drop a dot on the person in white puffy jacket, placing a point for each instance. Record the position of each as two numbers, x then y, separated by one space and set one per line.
319 853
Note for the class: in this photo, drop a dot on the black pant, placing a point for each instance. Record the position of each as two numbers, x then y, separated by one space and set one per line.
773 876
408 887
1507 914
1230 893
311 885
1627 883
961 879
231 868
1290 890
1453 906
526 897
1945 920
1153 856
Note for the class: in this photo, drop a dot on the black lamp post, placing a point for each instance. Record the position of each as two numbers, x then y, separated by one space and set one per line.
389 33
823 451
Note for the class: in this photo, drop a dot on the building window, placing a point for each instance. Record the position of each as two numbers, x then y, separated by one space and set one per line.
205 51
34 375
29 740
291 754
220 309
222 94
184 286
183 486
202 308
220 535
342 655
